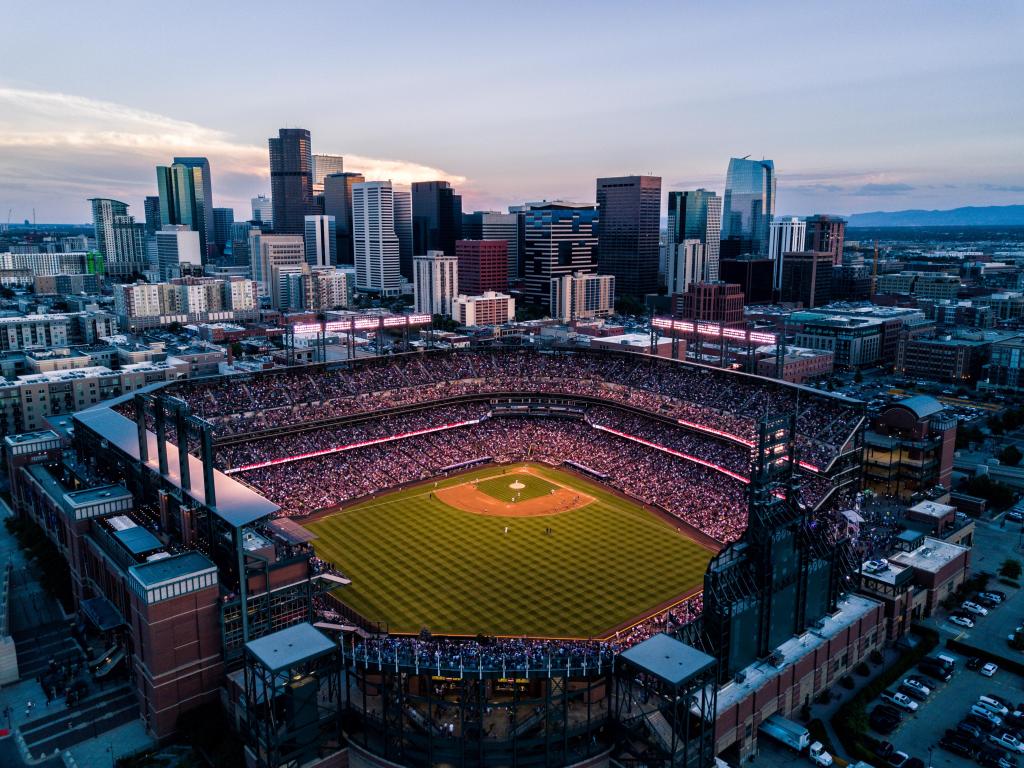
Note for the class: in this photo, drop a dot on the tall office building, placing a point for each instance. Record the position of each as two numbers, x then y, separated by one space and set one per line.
270 252
558 239
223 218
238 243
630 209
787 235
375 241
748 207
403 230
178 251
503 226
483 266
435 282
201 172
338 203
151 206
806 278
262 209
696 214
826 233
321 241
291 180
323 166
686 265
436 217
118 238
182 191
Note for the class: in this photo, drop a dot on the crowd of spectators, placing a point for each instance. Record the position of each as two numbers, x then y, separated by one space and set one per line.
710 501
713 399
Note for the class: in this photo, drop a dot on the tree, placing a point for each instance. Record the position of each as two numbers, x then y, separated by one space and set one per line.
998 495
858 377
1010 455
629 305
1010 568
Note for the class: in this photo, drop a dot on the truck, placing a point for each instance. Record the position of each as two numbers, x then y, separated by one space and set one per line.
793 735
819 755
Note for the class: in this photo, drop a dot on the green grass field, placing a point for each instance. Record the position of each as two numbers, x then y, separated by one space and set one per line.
416 562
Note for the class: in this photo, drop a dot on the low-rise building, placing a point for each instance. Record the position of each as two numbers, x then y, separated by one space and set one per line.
489 308
798 363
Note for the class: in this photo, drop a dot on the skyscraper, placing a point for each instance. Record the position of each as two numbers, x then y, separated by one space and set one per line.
178 251
182 189
118 238
826 233
321 241
696 214
201 172
503 226
151 206
748 206
435 282
436 217
558 239
686 265
262 209
291 180
323 166
630 210
223 218
787 235
403 229
373 234
338 203
483 266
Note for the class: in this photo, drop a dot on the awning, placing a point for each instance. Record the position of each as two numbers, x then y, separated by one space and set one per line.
290 531
102 613
852 516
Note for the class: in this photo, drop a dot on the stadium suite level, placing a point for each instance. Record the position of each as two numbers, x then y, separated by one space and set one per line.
208 523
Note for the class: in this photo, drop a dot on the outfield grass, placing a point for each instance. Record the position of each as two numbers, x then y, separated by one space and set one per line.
416 562
498 487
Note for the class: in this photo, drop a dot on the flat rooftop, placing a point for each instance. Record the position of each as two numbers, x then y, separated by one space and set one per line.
852 608
669 659
169 568
889 576
932 509
932 556
289 646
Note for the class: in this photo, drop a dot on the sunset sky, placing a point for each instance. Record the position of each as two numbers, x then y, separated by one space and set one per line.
862 106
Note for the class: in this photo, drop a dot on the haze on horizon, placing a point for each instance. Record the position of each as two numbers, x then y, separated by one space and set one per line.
864 106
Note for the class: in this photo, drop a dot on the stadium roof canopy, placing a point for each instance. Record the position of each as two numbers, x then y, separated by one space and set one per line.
922 406
670 660
236 504
290 646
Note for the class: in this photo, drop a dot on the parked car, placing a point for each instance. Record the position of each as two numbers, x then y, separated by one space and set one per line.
897 759
1014 516
994 704
913 693
961 621
983 723
974 663
1007 741
971 729
989 669
900 700
974 608
958 746
986 714
984 601
883 723
996 759
937 671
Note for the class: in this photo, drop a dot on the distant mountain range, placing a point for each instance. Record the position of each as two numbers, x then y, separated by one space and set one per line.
973 216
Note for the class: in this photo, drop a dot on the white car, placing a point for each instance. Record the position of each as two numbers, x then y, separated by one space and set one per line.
900 700
989 669
961 621
991 596
918 686
974 608
986 714
1006 741
996 706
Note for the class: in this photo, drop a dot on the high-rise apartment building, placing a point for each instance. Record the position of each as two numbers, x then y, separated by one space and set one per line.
581 296
435 282
483 266
685 265
204 225
436 217
558 239
489 308
262 209
270 251
118 238
291 180
182 189
403 230
826 233
321 241
179 251
748 206
223 218
338 203
786 236
374 238
630 223
323 166
696 214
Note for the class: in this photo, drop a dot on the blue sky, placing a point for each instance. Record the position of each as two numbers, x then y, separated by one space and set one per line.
862 105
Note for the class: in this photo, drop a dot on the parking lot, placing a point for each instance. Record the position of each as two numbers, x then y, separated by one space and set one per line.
946 707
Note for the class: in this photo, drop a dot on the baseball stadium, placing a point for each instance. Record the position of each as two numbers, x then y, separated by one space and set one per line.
492 556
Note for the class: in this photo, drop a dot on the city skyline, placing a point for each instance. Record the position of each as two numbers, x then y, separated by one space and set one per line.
860 119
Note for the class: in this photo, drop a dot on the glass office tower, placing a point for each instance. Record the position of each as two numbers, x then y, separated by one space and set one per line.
749 205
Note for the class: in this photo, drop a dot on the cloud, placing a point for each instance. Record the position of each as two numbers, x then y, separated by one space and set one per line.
58 149
1003 187
881 190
